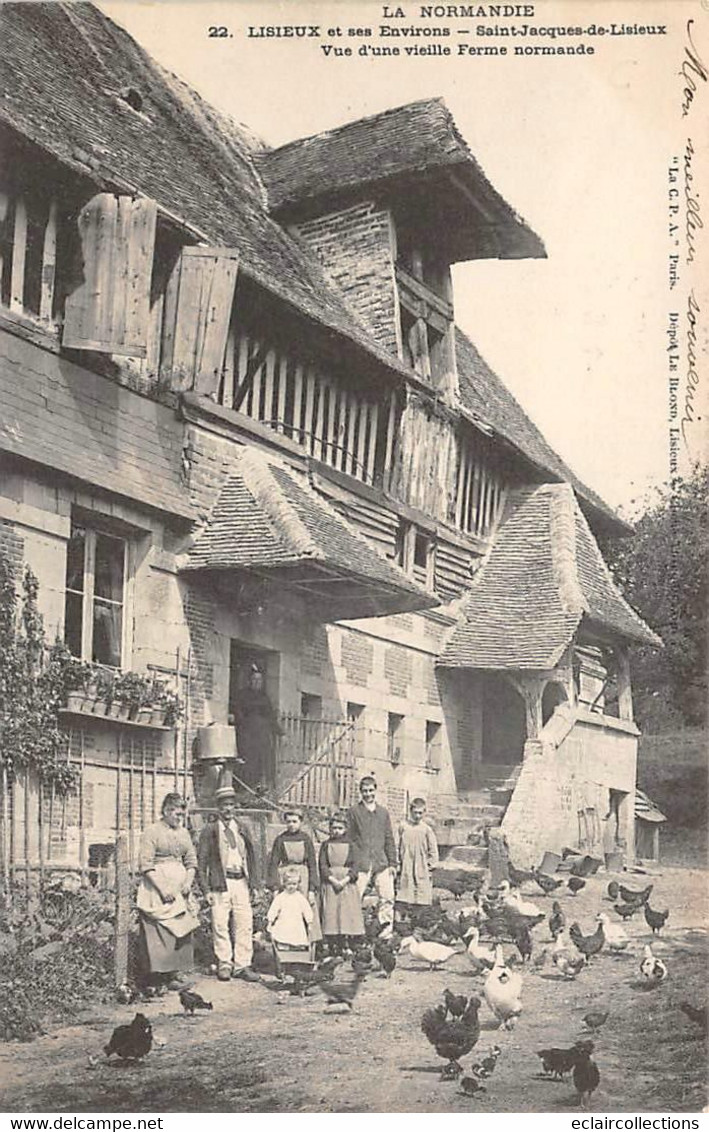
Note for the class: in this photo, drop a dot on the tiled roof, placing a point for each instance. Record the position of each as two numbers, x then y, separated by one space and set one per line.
645 808
483 393
544 574
62 67
420 138
268 517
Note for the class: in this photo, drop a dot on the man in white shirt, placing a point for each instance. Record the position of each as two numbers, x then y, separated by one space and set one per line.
227 869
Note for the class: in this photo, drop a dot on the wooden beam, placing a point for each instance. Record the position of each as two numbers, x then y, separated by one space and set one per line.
49 263
19 251
257 360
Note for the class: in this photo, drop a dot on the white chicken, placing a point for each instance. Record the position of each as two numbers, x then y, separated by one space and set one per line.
503 991
481 957
616 937
514 901
565 958
652 969
428 951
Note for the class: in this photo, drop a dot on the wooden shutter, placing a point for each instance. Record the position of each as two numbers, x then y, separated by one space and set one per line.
109 310
206 285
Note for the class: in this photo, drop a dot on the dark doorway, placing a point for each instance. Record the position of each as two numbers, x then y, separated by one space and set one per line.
253 703
504 722
554 695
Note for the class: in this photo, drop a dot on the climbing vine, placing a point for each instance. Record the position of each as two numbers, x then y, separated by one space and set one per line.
33 682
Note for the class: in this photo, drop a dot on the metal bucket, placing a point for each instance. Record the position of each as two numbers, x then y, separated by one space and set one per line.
550 863
614 862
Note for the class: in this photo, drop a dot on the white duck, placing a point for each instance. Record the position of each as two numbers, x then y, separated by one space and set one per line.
616 937
503 991
652 969
481 957
514 901
428 951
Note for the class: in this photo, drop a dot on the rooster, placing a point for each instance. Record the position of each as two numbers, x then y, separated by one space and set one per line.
131 1042
586 1074
452 1038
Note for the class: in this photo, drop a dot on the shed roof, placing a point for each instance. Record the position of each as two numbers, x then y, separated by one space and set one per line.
543 576
268 519
419 140
645 808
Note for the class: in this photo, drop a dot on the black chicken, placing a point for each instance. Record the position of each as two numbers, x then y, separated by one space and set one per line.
523 940
133 1041
192 1001
557 920
632 896
456 1004
575 885
586 1073
362 959
556 1061
697 1014
588 945
626 911
385 955
547 884
344 992
518 876
452 1038
655 920
595 1019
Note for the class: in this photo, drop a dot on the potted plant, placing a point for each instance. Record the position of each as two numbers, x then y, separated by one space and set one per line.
134 691
169 705
105 680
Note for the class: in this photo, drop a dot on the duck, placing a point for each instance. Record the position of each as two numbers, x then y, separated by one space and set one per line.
428 951
566 961
514 901
652 969
503 991
481 957
616 937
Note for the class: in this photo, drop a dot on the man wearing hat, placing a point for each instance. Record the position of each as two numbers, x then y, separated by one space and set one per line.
227 872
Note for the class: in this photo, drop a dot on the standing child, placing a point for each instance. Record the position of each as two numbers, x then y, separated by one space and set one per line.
418 854
341 907
293 850
288 920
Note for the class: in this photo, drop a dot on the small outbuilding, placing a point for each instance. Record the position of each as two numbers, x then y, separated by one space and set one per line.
648 819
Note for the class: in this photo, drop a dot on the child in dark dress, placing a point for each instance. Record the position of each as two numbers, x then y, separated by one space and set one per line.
342 921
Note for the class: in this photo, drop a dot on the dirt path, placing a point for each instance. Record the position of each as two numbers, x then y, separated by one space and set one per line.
253 1054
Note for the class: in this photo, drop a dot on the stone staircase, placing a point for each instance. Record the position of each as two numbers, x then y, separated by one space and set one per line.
461 830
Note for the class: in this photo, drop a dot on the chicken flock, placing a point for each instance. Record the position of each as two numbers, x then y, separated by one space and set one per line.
503 937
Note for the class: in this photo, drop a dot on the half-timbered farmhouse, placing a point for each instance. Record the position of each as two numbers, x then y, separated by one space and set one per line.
247 453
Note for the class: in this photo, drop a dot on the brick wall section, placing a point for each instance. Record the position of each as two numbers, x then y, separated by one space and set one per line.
12 546
354 247
78 422
314 654
199 613
357 658
398 669
431 685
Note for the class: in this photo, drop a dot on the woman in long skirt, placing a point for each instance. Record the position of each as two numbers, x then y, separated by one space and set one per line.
167 863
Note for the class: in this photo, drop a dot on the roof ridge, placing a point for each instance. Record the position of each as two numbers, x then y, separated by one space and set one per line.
255 470
562 530
377 116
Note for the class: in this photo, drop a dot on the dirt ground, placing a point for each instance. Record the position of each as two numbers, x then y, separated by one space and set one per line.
254 1053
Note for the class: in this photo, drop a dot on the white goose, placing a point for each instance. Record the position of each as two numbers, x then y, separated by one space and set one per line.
514 901
503 991
481 957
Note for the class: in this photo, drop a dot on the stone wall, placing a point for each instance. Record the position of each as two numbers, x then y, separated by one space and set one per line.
562 795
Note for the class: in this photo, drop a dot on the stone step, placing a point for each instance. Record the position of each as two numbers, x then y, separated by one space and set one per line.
467 855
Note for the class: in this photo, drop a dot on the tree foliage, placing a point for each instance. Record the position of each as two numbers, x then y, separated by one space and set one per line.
662 571
32 686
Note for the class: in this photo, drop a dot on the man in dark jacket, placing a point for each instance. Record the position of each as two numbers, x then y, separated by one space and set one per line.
372 837
227 872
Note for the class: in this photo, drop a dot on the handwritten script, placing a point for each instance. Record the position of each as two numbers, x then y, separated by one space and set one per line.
692 71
